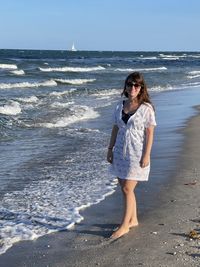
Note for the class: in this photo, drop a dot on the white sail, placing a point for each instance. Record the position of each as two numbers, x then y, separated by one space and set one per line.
73 48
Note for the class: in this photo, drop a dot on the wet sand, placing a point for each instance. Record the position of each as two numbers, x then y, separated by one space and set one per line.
162 238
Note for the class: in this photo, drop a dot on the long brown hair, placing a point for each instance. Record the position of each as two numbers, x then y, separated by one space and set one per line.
143 96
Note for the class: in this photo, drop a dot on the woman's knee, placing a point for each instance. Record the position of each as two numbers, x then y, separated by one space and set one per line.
128 188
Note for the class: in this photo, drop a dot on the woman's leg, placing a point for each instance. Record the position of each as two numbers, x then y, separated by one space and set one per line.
133 221
130 206
130 210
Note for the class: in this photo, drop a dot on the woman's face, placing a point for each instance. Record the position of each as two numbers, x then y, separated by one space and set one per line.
133 89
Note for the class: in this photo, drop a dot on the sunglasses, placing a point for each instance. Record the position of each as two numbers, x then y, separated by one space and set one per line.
131 84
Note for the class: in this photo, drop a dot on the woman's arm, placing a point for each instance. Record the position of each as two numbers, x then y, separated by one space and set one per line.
149 142
112 143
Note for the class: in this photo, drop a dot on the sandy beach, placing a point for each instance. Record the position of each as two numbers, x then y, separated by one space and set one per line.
162 239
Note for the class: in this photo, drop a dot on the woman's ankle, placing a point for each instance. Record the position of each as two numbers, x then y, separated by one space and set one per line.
133 221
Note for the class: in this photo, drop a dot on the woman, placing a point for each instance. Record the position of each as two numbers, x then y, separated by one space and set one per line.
130 145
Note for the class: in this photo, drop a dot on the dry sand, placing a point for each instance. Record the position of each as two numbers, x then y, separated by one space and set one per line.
161 239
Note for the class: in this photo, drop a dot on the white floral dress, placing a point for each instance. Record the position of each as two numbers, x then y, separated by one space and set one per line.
130 143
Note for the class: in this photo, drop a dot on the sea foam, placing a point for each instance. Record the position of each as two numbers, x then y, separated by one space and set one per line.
13 108
27 84
17 72
31 99
48 206
148 58
193 74
8 66
74 81
169 57
61 105
174 87
72 69
81 113
66 92
141 69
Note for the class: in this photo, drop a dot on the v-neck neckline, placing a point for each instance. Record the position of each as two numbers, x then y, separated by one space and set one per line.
133 115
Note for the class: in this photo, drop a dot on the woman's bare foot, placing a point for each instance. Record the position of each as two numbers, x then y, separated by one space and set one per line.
133 223
120 232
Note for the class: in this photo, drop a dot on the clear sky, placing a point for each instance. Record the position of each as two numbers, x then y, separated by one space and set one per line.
122 25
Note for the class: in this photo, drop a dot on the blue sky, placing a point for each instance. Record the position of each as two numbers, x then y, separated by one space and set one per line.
117 25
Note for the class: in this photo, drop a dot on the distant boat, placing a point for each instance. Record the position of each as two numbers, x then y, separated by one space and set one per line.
73 48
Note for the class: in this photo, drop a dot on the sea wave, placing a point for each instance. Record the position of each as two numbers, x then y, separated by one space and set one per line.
27 84
192 84
160 88
107 93
141 69
13 108
72 69
169 57
81 113
61 105
74 81
193 74
43 208
31 99
17 72
8 66
174 87
194 56
66 92
150 58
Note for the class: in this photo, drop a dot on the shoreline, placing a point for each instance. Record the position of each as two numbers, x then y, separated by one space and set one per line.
160 240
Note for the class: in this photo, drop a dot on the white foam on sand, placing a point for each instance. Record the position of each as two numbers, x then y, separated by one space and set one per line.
51 205
13 108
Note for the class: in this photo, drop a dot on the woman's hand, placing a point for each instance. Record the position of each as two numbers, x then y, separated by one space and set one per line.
145 161
109 155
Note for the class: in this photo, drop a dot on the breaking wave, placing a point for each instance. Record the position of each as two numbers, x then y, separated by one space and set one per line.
17 72
74 81
8 66
141 69
11 109
72 69
27 84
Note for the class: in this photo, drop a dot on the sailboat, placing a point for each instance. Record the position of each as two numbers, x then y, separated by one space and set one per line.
73 48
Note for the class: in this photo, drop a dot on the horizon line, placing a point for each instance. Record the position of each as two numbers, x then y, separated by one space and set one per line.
68 50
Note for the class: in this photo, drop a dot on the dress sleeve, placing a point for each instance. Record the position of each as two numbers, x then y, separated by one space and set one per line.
150 119
115 113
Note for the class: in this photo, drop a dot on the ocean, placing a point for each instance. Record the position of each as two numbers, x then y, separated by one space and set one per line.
55 124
